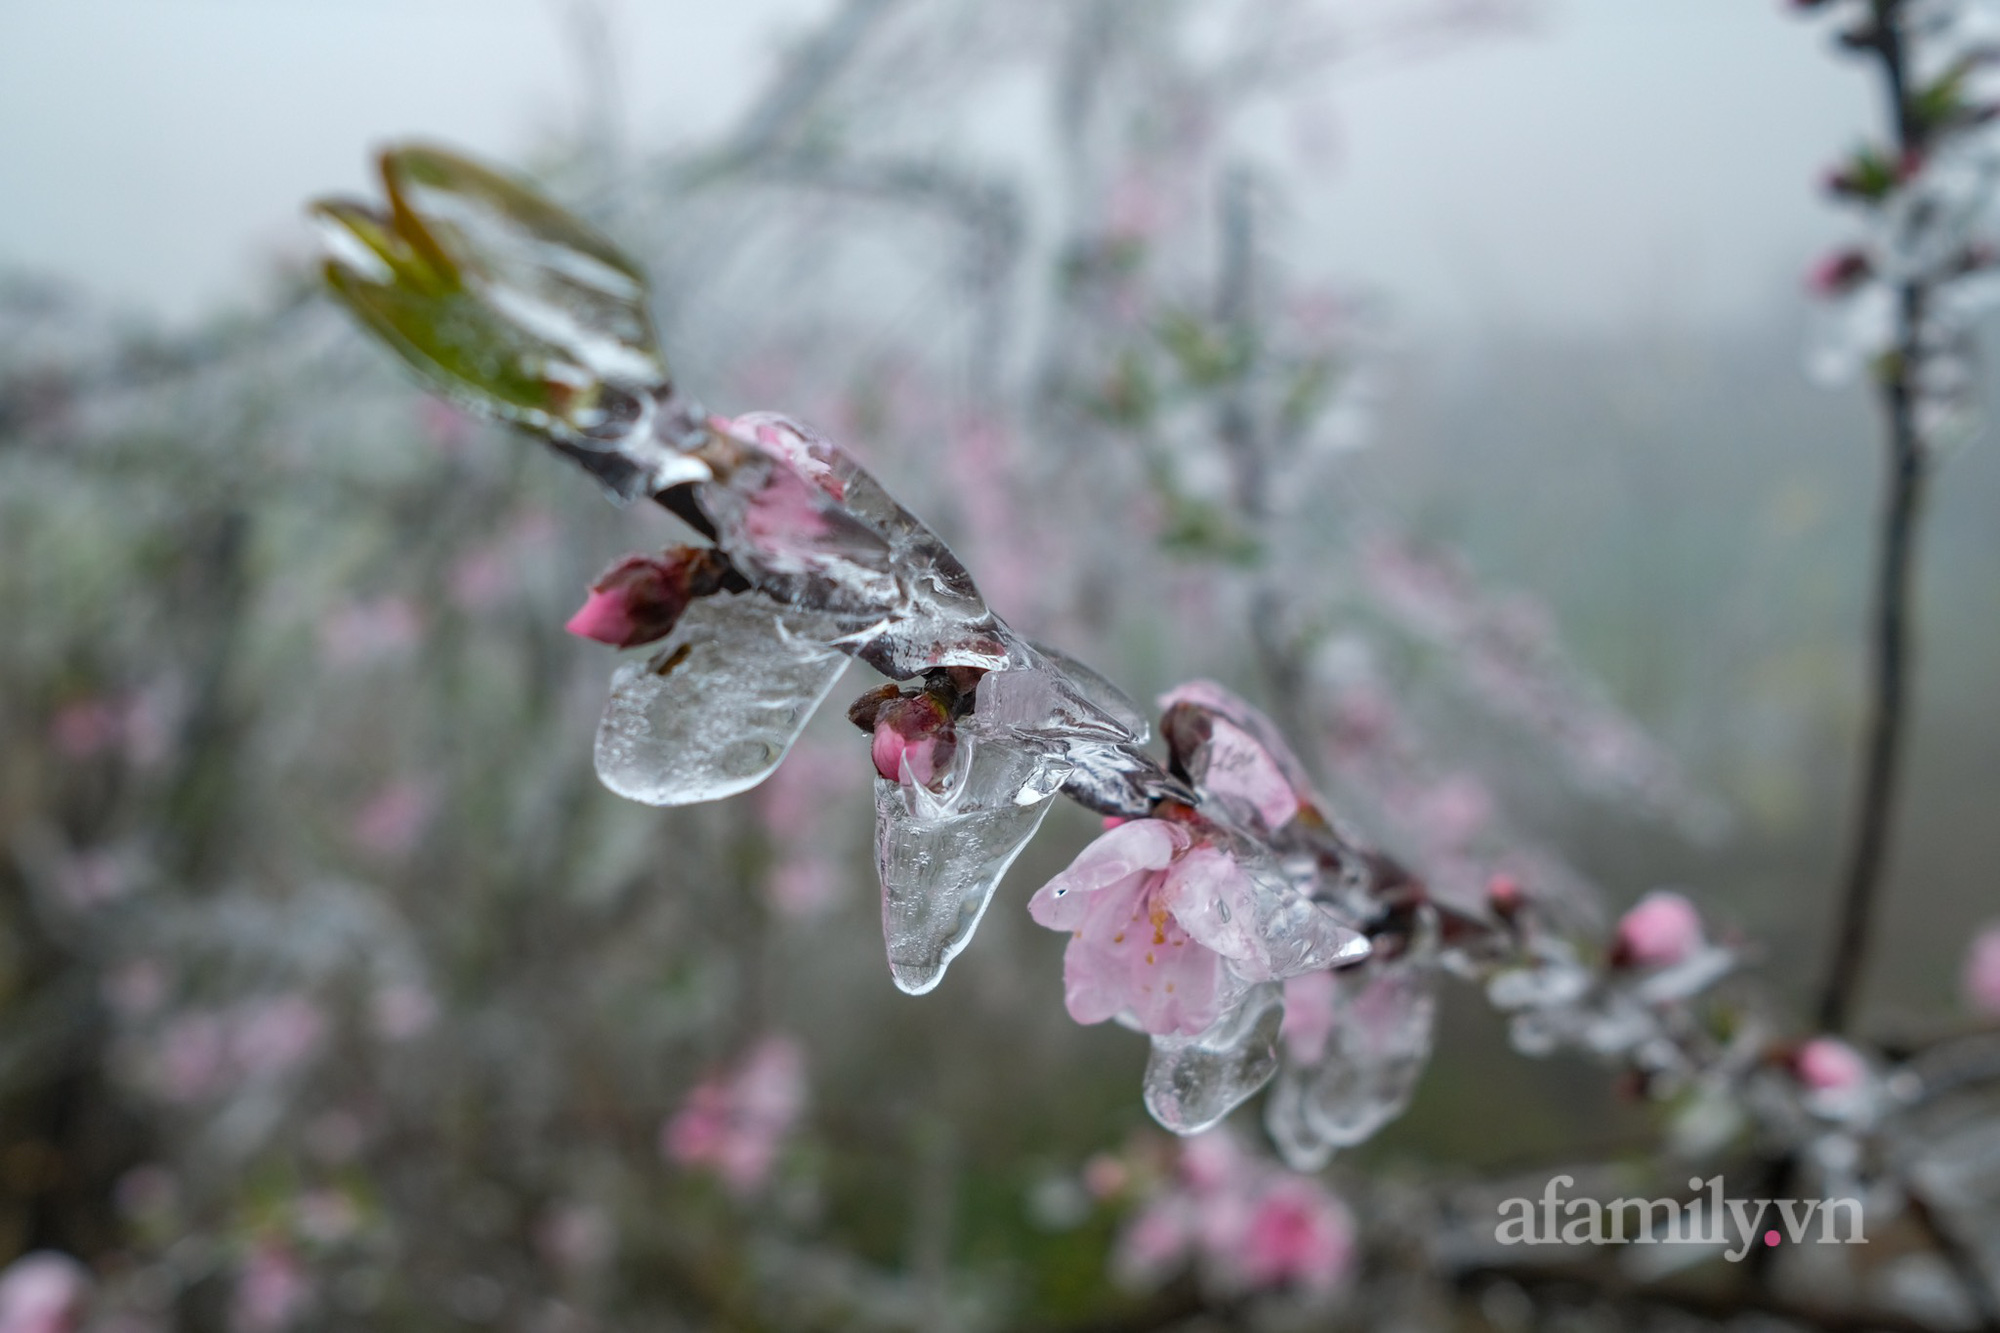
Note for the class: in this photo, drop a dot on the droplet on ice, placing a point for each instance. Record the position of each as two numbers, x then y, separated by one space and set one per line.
716 708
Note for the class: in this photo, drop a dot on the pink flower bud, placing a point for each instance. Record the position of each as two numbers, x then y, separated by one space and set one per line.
1839 273
917 731
1503 894
641 598
1982 972
1661 930
1825 1064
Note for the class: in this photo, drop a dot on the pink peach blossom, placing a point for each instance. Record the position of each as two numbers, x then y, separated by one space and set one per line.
1129 953
1826 1064
736 1121
913 733
1298 1234
1662 929
640 598
1982 972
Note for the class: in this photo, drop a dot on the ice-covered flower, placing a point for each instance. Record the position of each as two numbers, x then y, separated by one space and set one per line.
913 737
735 1122
642 597
1982 972
1662 929
1167 924
43 1292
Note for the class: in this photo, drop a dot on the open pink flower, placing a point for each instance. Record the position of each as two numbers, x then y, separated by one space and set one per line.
735 1122
1663 928
1167 924
43 1292
1130 952
1982 972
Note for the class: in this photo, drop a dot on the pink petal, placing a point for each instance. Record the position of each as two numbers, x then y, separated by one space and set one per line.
603 618
1130 956
1828 1065
1210 897
1662 929
1982 972
1117 855
1239 767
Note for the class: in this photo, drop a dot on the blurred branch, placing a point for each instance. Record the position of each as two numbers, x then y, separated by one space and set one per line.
1890 633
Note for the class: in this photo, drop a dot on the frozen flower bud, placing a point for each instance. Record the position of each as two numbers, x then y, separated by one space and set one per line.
1869 175
916 731
641 598
1982 972
1825 1064
1662 929
1839 273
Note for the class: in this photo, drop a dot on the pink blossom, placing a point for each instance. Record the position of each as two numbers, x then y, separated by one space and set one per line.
1155 1242
642 597
1982 972
272 1289
43 1292
1826 1064
913 734
275 1036
1298 1234
1662 929
736 1121
1233 751
1309 1017
393 821
1452 813
1129 951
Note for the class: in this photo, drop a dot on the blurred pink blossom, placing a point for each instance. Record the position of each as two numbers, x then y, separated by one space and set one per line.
393 821
1298 1234
1105 1176
482 578
43 1292
272 1289
736 1121
1662 929
1309 1017
1982 972
803 887
372 631
1827 1064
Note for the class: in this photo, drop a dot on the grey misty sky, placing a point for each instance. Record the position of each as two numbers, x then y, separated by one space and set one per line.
1630 160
